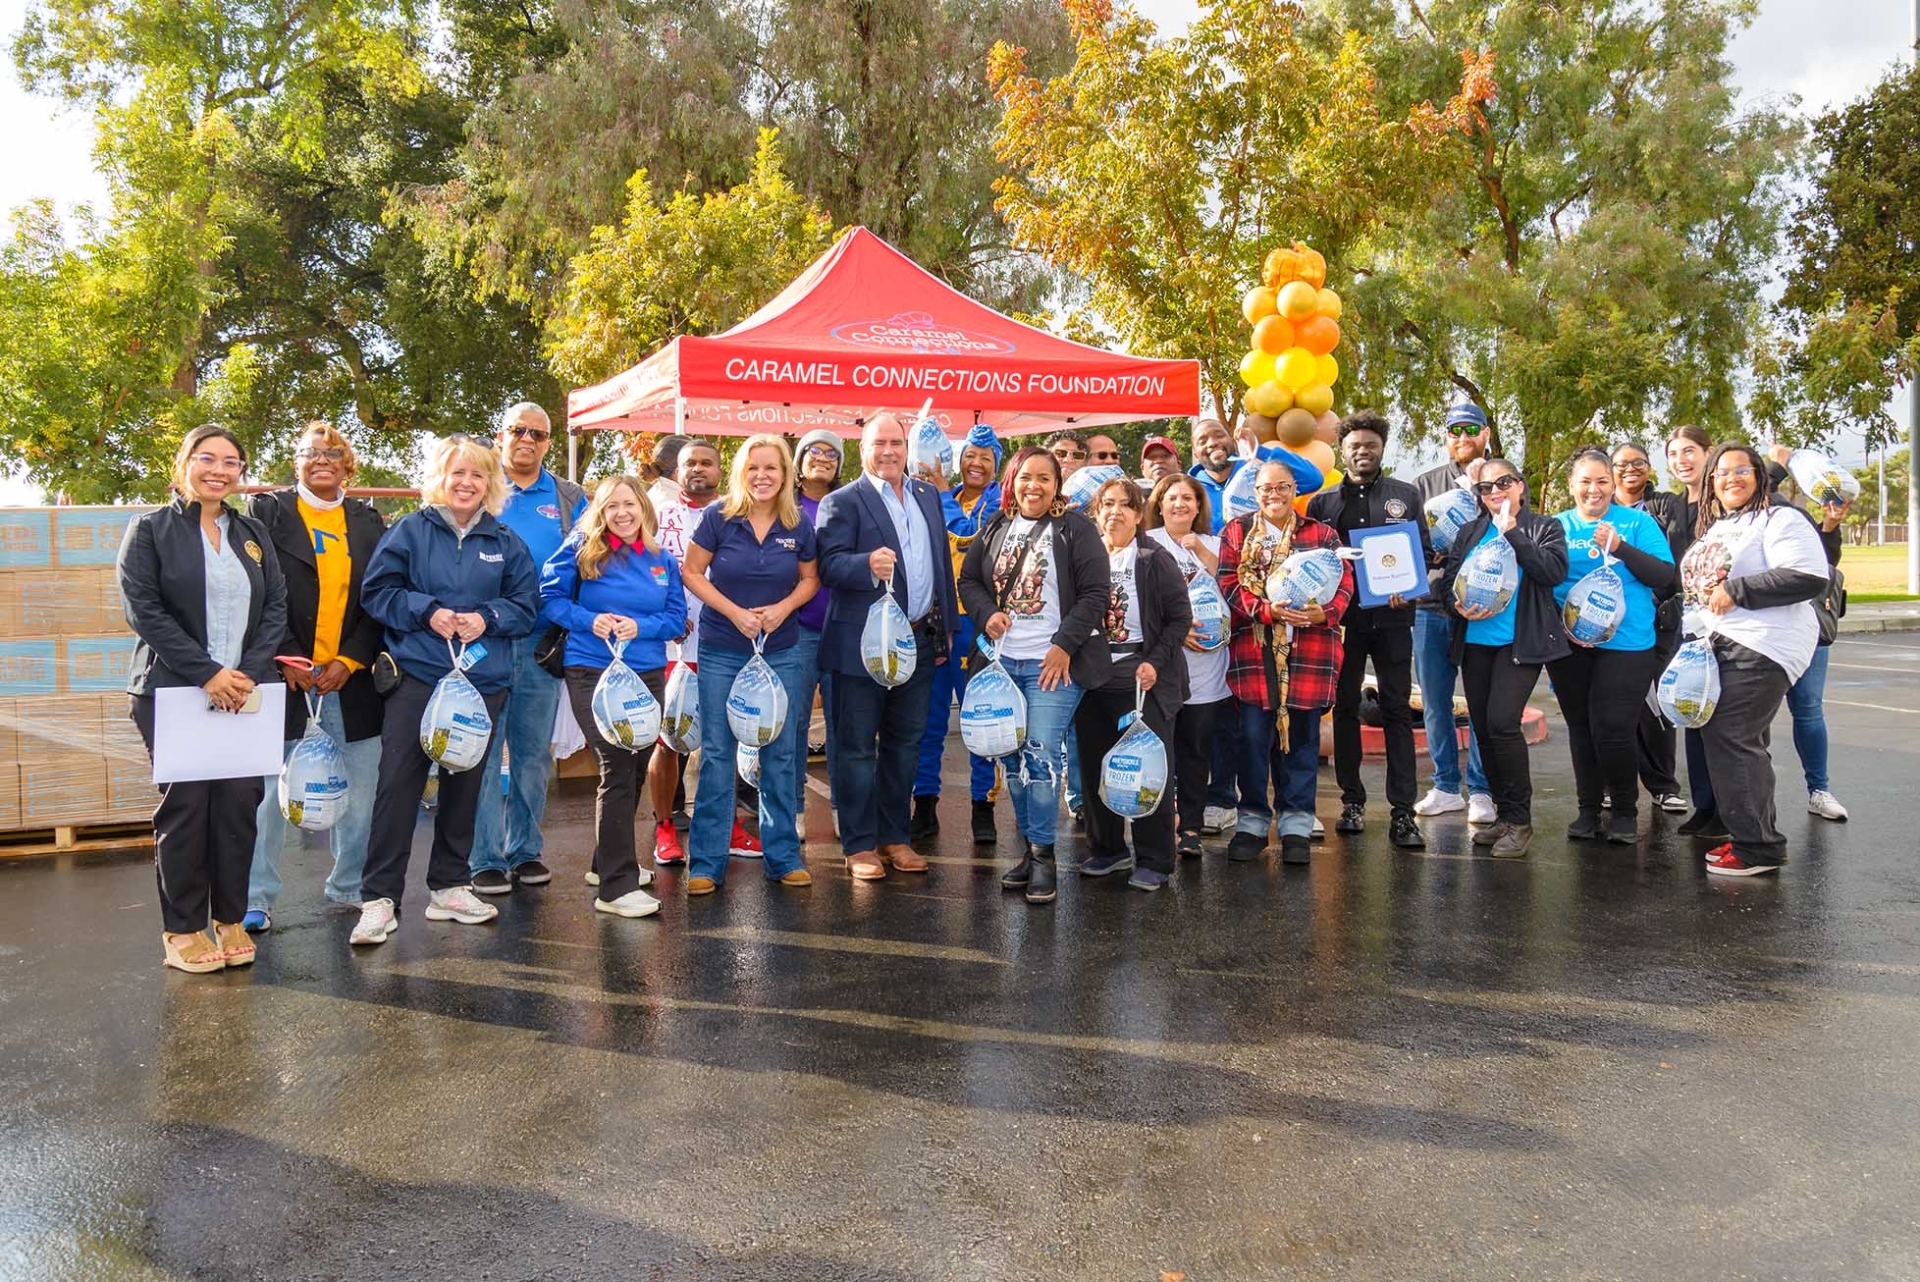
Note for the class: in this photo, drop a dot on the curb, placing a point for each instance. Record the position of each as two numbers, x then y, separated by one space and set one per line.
1880 623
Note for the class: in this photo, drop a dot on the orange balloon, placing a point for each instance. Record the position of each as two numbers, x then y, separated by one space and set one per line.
1318 334
1257 305
1297 300
1318 453
1327 303
1282 265
1327 428
1312 266
1300 502
1274 335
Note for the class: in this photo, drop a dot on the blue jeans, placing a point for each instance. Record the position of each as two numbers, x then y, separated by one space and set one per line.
1034 773
1300 764
1074 796
525 729
1433 669
879 731
713 808
348 838
801 717
949 681
1806 700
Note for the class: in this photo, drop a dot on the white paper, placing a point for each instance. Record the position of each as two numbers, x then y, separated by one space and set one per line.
1392 565
192 741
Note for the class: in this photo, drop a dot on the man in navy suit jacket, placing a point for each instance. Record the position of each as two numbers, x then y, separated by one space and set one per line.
884 532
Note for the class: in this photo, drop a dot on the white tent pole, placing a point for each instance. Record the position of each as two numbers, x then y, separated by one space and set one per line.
679 416
573 457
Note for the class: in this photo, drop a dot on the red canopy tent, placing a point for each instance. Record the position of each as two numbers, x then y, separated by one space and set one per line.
865 328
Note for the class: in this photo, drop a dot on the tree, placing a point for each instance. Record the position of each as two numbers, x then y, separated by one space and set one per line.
1596 270
1849 324
1163 171
1866 508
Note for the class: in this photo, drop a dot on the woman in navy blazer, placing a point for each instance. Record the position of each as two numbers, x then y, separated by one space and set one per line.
884 532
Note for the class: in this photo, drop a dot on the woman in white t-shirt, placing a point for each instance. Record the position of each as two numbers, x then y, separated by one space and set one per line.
1754 569
1177 511
1037 577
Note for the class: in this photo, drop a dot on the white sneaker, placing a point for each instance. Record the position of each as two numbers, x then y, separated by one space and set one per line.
1826 805
1437 802
593 878
1480 809
1217 819
635 903
376 922
459 903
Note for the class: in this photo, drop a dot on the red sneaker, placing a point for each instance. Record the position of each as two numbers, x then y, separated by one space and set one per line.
666 845
1722 862
744 843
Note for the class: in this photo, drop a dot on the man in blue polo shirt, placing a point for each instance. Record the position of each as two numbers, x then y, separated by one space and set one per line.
1214 464
541 509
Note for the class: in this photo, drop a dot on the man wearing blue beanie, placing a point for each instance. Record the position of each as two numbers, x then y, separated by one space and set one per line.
1468 433
966 509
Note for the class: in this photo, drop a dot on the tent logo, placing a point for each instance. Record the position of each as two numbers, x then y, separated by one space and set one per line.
918 332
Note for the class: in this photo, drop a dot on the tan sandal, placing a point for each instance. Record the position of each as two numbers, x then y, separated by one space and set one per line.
192 952
236 945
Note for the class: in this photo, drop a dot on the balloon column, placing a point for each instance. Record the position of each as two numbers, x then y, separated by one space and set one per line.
1289 368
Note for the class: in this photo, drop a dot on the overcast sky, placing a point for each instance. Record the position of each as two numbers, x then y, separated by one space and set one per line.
1819 51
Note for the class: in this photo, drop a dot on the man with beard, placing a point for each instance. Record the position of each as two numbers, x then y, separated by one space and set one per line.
1214 464
1384 633
541 509
1159 458
1468 434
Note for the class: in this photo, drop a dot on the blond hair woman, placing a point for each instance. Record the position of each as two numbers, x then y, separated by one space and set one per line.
610 583
451 572
752 564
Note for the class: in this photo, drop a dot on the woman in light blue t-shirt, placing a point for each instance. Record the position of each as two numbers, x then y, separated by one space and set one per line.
1602 686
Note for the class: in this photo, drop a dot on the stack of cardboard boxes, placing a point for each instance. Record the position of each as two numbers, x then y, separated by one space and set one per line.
68 754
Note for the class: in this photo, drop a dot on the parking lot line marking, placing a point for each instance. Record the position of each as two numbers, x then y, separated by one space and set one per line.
850 944
1877 707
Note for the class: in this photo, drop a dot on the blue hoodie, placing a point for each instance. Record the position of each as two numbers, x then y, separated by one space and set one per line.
423 565
639 585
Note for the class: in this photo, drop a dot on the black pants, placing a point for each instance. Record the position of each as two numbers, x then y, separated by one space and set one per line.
1497 693
1096 724
1737 742
203 833
1654 740
623 781
1392 652
1602 694
1193 735
396 801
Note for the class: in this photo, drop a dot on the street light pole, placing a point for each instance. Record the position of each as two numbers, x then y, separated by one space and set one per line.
1913 429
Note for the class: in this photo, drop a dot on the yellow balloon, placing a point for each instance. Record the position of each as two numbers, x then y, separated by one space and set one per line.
1295 368
1272 399
1333 481
1297 300
1256 367
1316 399
1326 370
1327 304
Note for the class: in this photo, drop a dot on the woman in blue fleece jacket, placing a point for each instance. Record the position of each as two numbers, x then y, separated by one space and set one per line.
611 582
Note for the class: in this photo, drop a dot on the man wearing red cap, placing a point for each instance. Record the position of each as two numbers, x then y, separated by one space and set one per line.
1159 458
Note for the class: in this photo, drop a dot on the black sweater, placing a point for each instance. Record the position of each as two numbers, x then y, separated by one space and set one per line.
1540 545
1085 584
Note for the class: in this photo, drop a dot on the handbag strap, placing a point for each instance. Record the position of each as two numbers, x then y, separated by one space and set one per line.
1042 526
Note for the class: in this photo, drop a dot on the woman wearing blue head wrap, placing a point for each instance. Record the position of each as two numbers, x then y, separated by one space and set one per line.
966 509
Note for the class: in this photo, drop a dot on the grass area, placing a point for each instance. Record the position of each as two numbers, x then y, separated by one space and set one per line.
1876 574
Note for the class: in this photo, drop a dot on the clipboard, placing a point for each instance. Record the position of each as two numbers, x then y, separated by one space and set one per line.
1391 563
192 741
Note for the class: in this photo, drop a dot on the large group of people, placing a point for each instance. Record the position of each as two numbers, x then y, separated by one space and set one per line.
533 587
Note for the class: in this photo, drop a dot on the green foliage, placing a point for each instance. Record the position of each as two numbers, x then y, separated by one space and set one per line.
1593 272
1866 508
1850 316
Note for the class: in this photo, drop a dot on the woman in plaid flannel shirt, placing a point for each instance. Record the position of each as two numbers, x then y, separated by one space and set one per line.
1285 664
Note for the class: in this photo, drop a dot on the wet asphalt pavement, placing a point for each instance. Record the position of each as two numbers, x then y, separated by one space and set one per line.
1597 1063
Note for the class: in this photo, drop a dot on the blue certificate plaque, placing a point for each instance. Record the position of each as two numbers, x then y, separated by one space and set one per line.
1391 563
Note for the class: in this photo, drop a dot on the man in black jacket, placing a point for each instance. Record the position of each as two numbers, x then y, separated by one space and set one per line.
1383 633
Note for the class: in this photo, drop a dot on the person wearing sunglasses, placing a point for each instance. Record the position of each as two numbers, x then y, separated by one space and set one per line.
1070 450
206 603
1500 652
541 508
324 540
1102 451
1653 740
1468 436
1756 569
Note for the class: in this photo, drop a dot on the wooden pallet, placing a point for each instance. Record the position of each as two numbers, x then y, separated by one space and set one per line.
74 839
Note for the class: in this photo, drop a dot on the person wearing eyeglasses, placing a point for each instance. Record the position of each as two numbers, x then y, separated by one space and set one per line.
324 540
541 508
1284 669
1102 451
1468 438
1500 652
1602 689
1653 739
203 595
1070 450
1756 569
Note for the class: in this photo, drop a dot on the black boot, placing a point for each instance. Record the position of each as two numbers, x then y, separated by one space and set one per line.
926 819
984 833
1040 876
1586 826
1016 877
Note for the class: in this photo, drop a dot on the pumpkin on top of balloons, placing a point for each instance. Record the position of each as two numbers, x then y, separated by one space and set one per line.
1289 368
